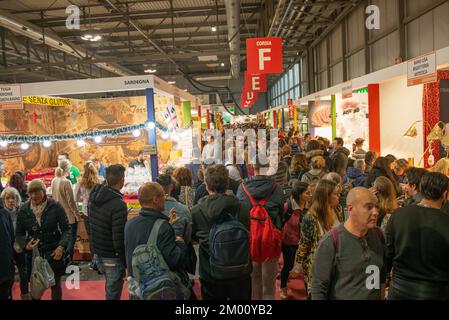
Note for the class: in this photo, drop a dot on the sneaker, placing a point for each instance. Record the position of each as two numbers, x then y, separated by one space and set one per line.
284 294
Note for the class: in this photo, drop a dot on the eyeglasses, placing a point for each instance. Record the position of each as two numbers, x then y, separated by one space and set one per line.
366 251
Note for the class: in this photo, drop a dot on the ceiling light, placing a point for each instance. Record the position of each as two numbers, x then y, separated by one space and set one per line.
171 82
150 70
136 133
214 29
24 146
207 58
98 139
222 64
47 144
151 125
3 144
81 143
87 37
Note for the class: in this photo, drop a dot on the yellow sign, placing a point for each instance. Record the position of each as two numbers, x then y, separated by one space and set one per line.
47 101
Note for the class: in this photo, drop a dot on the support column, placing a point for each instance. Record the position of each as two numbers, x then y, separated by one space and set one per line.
152 133
374 117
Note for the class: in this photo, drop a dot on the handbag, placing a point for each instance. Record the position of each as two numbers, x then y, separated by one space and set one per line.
42 275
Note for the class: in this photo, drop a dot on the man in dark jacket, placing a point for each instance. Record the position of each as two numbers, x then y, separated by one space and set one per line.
107 218
340 157
414 176
6 254
138 230
259 187
205 215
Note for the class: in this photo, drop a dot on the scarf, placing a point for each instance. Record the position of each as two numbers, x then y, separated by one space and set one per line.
38 210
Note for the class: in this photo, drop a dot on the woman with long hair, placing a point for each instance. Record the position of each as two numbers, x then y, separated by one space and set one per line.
320 219
83 188
298 166
17 182
381 169
386 196
185 180
297 207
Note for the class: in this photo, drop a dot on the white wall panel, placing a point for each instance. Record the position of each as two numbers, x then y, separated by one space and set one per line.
336 45
337 74
356 29
441 26
388 16
385 51
356 65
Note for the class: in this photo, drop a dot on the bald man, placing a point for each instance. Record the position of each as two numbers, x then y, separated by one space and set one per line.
138 230
350 260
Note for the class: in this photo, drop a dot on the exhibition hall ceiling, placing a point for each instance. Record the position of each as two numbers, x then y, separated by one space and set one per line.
41 40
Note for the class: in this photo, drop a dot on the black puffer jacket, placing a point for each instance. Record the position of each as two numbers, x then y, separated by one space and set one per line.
107 218
6 247
260 187
54 231
204 216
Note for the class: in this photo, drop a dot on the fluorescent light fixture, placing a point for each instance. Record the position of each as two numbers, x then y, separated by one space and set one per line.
150 70
47 144
207 58
89 37
212 65
171 82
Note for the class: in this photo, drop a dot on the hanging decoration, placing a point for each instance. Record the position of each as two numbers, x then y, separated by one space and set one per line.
87 134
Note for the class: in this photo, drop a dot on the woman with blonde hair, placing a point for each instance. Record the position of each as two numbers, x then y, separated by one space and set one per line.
442 166
320 219
386 195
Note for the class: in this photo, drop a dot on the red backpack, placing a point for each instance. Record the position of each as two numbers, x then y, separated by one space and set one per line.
265 239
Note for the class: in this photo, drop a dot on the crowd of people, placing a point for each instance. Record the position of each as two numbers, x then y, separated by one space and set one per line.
351 224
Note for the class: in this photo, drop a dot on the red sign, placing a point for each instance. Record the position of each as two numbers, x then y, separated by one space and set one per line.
255 82
264 55
248 98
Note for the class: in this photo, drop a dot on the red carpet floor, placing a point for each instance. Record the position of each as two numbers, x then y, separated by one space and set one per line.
94 290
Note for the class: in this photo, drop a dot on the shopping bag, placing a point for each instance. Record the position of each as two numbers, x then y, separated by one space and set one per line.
42 275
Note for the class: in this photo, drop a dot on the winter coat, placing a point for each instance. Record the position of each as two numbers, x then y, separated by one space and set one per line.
107 218
138 230
340 160
204 216
359 154
356 176
260 187
53 232
6 247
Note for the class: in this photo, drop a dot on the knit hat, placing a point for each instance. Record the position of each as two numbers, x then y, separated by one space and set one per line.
164 180
37 184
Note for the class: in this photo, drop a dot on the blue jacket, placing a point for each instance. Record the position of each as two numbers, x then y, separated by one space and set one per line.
137 232
357 177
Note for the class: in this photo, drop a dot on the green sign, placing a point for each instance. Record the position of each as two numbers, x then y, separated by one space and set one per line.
363 90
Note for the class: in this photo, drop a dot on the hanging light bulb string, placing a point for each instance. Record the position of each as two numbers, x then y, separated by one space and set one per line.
96 135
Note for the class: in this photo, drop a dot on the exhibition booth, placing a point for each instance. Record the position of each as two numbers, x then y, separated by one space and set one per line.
393 114
49 121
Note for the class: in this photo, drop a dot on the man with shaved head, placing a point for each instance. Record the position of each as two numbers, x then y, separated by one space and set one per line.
137 231
350 259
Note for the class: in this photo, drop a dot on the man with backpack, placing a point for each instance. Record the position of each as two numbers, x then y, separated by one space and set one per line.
350 261
263 199
221 229
149 230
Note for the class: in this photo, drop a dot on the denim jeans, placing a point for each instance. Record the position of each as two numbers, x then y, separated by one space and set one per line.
114 272
71 245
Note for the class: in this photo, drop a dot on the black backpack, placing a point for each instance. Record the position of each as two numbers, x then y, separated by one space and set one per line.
229 249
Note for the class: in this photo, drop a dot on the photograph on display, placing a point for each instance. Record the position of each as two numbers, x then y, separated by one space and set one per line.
353 118
320 118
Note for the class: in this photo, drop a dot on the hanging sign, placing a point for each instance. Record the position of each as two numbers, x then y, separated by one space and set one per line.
248 98
255 82
11 97
47 101
264 55
170 117
422 70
